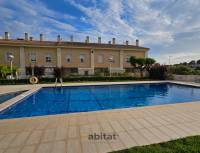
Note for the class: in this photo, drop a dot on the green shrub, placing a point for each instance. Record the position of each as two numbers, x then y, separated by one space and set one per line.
184 70
181 70
38 71
72 79
5 71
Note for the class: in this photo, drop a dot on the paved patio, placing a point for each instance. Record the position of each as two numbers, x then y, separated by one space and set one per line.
69 133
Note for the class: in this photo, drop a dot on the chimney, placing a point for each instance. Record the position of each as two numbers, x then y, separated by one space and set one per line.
137 42
126 42
109 42
26 36
7 35
30 38
113 41
58 38
41 37
99 40
87 39
71 38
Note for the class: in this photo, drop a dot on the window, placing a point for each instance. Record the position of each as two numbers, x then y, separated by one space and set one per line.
7 56
100 59
68 58
48 58
32 57
128 58
111 59
82 58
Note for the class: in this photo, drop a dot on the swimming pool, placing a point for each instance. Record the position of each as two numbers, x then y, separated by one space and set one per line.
50 100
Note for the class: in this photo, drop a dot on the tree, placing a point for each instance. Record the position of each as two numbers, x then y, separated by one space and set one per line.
141 65
133 61
193 62
198 62
149 62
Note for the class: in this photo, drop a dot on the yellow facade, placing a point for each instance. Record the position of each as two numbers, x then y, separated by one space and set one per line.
82 56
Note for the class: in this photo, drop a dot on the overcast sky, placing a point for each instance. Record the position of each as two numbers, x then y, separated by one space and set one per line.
170 28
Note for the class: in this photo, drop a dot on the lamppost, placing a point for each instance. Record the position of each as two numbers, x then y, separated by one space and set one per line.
111 60
11 57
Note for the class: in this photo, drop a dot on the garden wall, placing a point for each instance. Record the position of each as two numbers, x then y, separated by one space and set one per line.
188 78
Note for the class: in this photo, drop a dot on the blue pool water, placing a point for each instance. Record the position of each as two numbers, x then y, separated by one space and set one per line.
90 98
7 96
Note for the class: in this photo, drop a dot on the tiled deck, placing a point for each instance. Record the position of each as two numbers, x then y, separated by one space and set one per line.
68 133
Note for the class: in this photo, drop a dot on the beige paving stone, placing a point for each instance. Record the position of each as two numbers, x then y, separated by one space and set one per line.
101 117
103 146
88 146
162 136
28 149
185 128
153 121
34 137
73 121
177 130
106 127
63 122
144 122
117 126
82 120
42 125
44 148
127 140
91 118
73 132
61 133
195 127
166 119
5 142
138 137
13 150
150 136
126 125
95 128
2 150
59 147
160 120
172 134
49 135
74 146
136 124
20 139
116 144
85 130
2 136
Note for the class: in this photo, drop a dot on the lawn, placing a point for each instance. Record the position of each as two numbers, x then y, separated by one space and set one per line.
185 145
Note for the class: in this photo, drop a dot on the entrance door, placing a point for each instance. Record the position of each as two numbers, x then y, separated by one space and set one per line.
86 73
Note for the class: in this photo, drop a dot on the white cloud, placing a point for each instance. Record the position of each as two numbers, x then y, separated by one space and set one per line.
169 27
33 17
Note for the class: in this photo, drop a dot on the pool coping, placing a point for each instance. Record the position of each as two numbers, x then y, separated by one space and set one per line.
36 88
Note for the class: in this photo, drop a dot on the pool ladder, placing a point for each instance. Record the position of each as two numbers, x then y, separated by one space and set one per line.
60 80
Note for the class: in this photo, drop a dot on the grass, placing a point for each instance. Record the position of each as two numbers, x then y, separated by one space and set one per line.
185 145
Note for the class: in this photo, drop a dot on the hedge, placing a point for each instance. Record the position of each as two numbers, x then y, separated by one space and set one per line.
71 79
